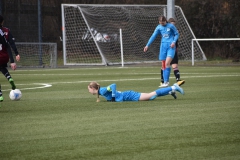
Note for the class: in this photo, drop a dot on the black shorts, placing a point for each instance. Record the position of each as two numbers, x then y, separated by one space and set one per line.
3 66
175 59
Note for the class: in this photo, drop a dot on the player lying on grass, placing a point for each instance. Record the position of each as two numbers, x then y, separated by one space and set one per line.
111 94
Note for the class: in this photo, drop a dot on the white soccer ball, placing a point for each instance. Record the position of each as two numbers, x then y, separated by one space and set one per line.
15 95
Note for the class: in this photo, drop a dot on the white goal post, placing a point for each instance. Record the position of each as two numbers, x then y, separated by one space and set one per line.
208 39
92 34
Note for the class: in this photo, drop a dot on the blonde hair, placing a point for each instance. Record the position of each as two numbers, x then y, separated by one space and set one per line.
96 86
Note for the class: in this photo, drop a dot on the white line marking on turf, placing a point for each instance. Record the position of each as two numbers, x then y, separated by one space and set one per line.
142 73
44 85
142 79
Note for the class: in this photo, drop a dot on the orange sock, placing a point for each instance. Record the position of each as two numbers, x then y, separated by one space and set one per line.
163 65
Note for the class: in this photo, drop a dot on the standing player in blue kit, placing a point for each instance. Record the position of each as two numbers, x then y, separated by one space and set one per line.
169 34
174 62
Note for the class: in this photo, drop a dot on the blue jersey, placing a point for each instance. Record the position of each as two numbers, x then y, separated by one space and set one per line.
111 91
169 33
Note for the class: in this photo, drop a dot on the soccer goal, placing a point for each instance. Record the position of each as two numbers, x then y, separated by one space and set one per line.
37 54
91 34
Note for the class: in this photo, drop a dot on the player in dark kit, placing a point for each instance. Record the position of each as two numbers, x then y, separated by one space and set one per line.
7 41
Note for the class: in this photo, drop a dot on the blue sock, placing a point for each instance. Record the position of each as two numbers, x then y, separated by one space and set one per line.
163 91
166 74
153 97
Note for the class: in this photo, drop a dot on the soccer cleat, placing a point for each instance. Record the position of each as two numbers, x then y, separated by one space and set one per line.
180 82
161 83
12 83
179 89
1 98
173 94
164 84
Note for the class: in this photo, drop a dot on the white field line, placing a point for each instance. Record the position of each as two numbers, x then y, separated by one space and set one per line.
90 74
46 85
142 79
42 85
94 68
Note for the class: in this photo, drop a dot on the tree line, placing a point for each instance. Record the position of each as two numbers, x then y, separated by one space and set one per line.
207 18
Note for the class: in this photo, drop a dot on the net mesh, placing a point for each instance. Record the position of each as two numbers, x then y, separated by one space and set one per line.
37 54
91 34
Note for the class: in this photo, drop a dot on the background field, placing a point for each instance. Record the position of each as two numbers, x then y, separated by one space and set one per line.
65 122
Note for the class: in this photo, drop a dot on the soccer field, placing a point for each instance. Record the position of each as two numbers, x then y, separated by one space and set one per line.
58 119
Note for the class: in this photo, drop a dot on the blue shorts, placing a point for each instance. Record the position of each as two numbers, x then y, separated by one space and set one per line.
131 95
166 51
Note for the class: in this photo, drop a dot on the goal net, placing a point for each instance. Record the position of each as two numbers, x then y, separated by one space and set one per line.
91 34
37 54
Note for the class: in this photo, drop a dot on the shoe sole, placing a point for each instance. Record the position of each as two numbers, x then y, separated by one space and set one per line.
163 86
180 82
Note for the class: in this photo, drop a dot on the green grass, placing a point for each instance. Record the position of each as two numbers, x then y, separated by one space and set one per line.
64 121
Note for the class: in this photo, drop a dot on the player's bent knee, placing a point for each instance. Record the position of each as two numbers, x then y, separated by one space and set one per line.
175 68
